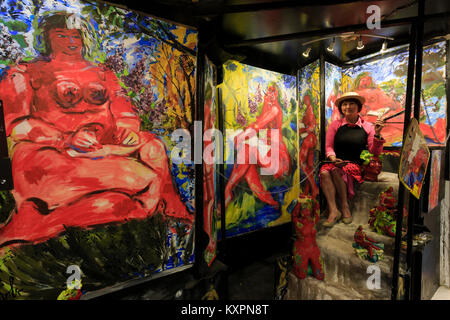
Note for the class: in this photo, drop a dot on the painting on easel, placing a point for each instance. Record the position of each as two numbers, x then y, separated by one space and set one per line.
414 159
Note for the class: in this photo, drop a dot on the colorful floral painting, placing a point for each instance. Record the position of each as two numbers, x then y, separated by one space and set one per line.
309 128
435 176
91 95
433 107
212 147
382 83
333 90
414 159
259 188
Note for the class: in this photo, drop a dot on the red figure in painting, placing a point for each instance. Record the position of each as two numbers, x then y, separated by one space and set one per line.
271 117
378 102
306 251
306 154
377 99
78 156
208 180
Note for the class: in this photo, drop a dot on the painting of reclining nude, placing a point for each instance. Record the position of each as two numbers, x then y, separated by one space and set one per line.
260 114
91 94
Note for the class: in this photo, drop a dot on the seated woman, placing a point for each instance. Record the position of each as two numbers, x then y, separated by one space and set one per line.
345 140
78 156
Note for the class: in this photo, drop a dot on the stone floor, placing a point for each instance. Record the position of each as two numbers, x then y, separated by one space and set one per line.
443 293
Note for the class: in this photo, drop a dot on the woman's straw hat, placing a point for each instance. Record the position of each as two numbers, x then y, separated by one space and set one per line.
347 96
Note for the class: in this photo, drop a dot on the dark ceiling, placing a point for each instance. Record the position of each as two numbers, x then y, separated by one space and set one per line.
272 34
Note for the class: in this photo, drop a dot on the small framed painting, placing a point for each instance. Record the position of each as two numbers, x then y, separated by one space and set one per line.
414 160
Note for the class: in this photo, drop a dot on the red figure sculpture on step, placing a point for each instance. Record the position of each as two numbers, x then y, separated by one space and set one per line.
387 198
271 117
364 241
373 169
305 216
78 156
382 218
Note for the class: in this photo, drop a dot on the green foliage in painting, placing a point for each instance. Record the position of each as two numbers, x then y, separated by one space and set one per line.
7 204
104 254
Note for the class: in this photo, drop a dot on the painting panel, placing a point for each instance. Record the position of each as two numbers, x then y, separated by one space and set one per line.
435 177
212 149
333 90
92 94
433 101
260 114
382 83
309 128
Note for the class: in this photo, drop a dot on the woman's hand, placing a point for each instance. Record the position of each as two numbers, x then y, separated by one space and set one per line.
379 125
337 162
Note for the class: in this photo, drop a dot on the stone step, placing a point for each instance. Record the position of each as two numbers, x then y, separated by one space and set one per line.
346 274
367 196
345 232
343 267
312 289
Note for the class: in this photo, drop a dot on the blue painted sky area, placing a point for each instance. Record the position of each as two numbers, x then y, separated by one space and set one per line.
305 76
381 70
263 78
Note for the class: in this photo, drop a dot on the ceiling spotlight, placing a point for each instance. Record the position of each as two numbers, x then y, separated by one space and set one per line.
331 46
306 53
384 47
360 44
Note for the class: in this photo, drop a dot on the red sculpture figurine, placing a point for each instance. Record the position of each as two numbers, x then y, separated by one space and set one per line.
363 241
382 218
305 216
373 169
387 198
